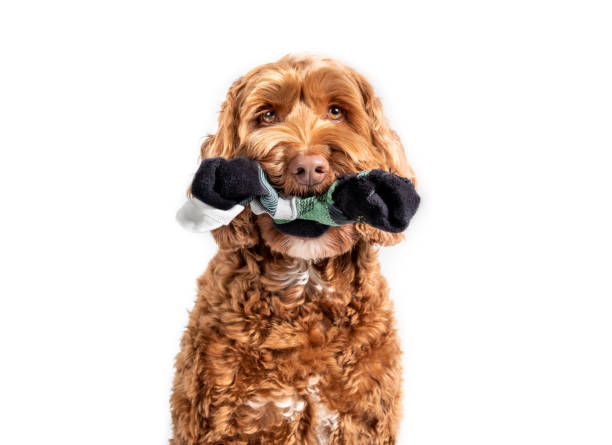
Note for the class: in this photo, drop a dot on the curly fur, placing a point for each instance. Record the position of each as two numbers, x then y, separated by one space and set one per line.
292 340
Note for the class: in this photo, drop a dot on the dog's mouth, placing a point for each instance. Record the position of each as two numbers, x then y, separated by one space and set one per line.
303 228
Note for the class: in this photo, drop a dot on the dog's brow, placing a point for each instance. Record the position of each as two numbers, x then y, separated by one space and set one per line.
283 90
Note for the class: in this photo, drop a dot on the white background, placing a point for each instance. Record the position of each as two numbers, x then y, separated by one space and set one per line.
502 290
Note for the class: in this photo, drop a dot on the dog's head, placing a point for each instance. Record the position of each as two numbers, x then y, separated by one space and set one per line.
307 120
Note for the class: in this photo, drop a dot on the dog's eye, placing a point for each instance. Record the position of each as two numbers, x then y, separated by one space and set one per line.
335 112
268 117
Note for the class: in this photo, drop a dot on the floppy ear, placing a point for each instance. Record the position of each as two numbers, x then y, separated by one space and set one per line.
388 142
225 141
383 137
242 232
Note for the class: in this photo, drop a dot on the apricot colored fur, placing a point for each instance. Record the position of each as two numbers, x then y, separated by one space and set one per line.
291 340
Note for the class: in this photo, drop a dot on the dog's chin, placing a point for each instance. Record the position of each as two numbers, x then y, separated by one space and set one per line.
312 243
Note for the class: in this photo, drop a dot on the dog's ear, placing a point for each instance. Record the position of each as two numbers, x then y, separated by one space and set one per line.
225 141
242 232
384 138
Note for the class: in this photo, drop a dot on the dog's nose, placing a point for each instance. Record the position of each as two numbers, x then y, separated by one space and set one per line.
309 169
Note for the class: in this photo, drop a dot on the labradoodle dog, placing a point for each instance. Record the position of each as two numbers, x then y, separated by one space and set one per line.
292 338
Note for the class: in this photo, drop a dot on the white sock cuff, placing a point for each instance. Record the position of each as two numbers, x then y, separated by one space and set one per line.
197 216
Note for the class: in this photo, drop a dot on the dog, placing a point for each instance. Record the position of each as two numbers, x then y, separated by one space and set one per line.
292 338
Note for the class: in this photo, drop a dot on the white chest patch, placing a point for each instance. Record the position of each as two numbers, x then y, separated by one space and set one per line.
289 405
301 273
325 420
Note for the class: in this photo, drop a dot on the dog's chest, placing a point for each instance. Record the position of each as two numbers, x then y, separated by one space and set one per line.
298 291
290 404
305 337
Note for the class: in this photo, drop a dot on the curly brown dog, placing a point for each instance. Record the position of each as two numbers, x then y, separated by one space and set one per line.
292 339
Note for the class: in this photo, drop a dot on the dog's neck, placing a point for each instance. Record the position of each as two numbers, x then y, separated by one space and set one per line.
338 285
